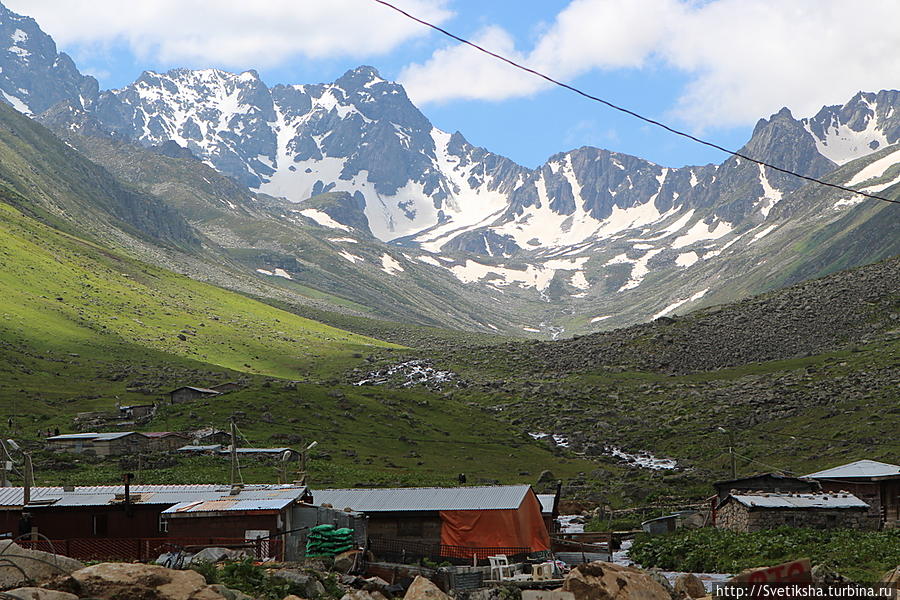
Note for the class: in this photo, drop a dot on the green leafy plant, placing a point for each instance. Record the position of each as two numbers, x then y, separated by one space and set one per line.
863 556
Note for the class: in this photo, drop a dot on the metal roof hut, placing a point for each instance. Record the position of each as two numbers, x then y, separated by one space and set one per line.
766 482
754 512
188 393
99 444
877 483
455 522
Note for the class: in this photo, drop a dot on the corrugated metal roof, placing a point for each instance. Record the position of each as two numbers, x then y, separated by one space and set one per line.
260 450
105 494
547 501
501 497
861 468
249 499
196 389
145 494
800 500
113 435
193 448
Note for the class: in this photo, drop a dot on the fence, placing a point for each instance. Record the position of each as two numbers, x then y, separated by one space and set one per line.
405 551
146 549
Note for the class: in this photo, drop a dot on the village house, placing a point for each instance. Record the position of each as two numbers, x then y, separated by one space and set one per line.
62 513
189 393
165 441
251 512
549 511
137 521
766 482
448 522
747 512
876 483
209 436
99 444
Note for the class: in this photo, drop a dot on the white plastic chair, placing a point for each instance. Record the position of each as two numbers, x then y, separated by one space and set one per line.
500 569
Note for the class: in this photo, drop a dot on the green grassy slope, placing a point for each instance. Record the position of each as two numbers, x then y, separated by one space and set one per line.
83 327
59 291
46 179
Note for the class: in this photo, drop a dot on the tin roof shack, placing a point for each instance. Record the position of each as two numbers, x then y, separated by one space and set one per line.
877 483
99 444
210 436
494 517
190 393
767 482
165 441
100 511
251 512
550 510
755 512
660 525
195 449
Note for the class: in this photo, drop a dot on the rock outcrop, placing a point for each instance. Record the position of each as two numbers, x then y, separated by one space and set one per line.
608 581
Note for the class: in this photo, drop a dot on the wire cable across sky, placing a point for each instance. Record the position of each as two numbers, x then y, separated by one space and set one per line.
628 111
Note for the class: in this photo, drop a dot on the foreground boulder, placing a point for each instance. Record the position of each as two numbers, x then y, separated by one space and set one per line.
32 566
423 589
33 593
608 581
308 583
363 595
892 578
688 585
128 581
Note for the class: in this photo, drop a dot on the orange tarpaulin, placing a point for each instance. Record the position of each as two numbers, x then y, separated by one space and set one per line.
520 528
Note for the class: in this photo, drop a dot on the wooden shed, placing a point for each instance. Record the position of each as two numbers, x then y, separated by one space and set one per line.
165 441
104 511
491 518
100 444
189 393
876 483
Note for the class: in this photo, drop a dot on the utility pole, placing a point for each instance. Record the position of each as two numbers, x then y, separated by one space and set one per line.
733 457
731 451
3 464
233 454
29 479
303 458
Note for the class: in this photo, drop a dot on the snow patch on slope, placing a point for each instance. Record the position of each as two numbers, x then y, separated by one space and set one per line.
678 303
323 219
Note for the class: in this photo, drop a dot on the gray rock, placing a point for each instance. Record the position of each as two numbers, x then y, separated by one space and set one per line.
33 593
309 583
32 565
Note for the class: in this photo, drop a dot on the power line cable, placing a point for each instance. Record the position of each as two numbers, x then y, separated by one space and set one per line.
768 466
628 111
810 437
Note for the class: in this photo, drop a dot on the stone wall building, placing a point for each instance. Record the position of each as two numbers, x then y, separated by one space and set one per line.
874 482
754 512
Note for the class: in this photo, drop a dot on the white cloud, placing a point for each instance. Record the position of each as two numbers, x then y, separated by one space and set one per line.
462 72
233 33
743 58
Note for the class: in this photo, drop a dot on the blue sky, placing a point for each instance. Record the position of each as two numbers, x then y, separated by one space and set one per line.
711 67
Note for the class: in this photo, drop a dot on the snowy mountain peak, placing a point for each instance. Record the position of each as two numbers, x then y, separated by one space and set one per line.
867 123
33 75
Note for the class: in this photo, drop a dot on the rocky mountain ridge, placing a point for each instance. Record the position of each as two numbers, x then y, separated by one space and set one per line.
600 238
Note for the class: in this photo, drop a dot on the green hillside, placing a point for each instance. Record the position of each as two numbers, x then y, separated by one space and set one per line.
83 328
